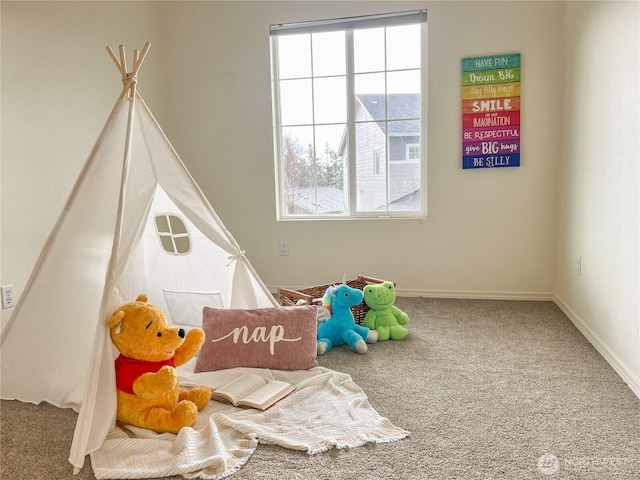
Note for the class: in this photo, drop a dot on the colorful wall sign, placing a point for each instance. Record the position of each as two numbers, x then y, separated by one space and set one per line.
491 111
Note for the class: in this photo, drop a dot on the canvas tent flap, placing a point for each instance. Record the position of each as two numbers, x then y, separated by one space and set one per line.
58 312
105 249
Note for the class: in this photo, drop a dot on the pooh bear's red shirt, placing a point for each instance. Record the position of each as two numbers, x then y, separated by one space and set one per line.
128 369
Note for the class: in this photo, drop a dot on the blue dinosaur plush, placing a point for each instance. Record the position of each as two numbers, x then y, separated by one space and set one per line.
384 317
341 327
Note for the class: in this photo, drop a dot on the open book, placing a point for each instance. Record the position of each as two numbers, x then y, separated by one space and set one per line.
252 391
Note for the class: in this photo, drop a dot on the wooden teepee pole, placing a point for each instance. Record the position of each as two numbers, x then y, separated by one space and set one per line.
129 79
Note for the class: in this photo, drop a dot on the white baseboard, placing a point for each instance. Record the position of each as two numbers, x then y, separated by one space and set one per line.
612 359
471 294
476 295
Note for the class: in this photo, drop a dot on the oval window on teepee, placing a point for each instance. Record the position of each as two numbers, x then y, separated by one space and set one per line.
173 234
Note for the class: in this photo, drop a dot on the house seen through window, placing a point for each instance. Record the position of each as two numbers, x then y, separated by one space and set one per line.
345 92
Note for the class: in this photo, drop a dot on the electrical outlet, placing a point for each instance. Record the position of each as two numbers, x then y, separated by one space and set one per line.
284 248
7 297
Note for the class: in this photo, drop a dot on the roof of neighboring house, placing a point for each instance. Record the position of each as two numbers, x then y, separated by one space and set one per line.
331 200
406 202
319 200
399 105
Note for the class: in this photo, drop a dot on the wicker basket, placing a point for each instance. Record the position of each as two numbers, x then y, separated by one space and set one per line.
313 295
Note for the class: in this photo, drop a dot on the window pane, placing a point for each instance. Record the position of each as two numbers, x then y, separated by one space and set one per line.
404 106
368 50
297 167
330 152
295 102
294 56
371 187
407 81
167 243
182 245
403 47
162 224
329 54
330 141
401 134
404 186
177 226
371 107
314 170
330 100
369 83
297 158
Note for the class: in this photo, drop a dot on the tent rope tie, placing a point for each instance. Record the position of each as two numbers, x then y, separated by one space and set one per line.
129 79
235 257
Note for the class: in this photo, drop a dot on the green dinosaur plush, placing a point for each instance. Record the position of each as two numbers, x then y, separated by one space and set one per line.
384 317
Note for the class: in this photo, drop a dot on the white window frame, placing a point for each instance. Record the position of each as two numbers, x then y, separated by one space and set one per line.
171 236
408 147
348 24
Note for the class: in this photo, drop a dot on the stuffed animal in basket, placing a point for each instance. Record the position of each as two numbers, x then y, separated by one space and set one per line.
341 327
384 317
146 378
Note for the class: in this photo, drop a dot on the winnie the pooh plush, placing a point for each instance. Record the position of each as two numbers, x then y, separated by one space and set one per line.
384 317
146 378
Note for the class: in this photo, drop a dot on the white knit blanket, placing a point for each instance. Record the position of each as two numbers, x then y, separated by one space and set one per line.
327 410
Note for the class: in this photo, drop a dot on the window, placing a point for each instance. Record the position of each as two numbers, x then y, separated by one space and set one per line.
376 161
346 91
413 152
173 234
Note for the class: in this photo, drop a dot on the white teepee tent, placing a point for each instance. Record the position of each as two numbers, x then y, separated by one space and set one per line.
135 222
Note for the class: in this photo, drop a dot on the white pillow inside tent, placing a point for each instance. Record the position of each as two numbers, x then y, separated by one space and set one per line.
185 308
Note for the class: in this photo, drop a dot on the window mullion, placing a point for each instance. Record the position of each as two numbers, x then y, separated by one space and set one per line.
313 135
424 75
386 123
351 120
281 203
